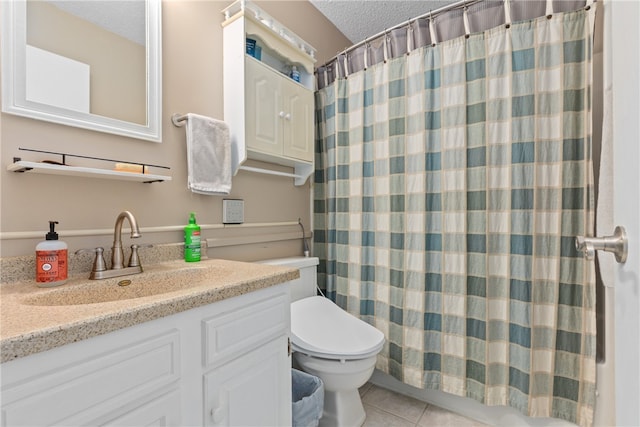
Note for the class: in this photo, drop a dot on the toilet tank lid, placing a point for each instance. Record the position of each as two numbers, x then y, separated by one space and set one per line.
297 262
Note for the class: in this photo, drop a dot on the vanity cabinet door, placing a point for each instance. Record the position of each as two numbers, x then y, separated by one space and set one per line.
96 381
251 390
162 411
246 365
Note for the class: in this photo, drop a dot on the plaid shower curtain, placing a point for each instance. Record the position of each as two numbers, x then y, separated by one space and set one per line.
450 185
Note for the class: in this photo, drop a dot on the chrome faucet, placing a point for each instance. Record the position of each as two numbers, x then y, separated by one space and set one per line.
117 255
99 270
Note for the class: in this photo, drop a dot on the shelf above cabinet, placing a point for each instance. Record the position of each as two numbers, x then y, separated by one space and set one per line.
262 24
52 169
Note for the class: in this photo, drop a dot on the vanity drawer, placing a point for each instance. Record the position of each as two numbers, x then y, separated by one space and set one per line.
92 385
240 329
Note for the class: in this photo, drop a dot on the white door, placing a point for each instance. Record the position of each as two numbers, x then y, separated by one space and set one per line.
624 21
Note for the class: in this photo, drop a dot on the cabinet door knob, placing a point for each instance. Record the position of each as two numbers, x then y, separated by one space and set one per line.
287 116
281 114
218 414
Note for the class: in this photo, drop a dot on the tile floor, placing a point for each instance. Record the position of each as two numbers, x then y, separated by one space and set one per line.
386 408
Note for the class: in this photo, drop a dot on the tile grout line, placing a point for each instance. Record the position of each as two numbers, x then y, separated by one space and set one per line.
424 411
380 408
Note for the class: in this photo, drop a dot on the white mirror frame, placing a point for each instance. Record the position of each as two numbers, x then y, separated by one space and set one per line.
14 42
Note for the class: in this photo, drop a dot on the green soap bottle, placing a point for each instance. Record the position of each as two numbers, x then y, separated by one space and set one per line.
192 240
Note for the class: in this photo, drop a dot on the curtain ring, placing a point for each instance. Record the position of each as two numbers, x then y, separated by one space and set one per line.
409 38
465 21
507 14
366 54
325 74
432 30
385 54
346 63
549 9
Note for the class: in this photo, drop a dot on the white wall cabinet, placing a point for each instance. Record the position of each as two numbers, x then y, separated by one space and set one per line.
270 116
279 114
225 364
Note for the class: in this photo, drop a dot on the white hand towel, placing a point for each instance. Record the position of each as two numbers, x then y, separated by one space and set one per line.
208 155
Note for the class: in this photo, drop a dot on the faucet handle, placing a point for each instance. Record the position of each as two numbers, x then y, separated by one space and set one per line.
98 263
134 260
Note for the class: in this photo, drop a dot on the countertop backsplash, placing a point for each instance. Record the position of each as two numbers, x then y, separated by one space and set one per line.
22 268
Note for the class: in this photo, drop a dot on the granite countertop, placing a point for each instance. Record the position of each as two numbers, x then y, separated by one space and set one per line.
34 319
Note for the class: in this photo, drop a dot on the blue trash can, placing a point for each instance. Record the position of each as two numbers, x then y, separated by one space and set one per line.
307 399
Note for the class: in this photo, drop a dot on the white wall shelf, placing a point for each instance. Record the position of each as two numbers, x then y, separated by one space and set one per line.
53 169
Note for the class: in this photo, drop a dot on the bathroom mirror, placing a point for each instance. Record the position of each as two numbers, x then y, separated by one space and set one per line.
89 64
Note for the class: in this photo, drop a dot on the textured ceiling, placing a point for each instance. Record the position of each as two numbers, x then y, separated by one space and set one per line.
359 19
123 17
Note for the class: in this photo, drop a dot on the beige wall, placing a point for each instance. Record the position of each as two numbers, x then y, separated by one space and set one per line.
192 82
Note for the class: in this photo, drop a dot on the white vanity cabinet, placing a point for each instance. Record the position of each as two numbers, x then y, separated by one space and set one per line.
223 364
270 116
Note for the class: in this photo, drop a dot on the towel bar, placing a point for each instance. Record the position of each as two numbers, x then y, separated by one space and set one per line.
303 169
269 172
179 120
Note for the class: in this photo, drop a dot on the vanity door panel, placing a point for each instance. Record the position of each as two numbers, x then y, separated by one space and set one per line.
76 385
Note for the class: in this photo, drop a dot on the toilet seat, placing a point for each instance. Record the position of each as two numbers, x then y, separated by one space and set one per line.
320 328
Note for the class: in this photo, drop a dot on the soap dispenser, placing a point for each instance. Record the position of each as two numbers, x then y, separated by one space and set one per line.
51 259
192 240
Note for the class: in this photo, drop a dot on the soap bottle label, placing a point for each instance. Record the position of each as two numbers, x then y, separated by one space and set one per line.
51 266
295 74
192 246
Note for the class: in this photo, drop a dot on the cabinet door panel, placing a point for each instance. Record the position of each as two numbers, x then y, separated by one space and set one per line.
252 390
231 333
263 108
160 412
75 393
298 124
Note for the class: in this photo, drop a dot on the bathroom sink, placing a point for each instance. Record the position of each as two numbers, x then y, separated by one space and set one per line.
156 282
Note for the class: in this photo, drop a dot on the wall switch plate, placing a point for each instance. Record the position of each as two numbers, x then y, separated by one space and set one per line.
232 211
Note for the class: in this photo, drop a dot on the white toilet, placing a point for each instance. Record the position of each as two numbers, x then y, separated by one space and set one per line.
332 344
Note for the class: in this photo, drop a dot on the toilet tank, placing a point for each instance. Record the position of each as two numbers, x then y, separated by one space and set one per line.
305 286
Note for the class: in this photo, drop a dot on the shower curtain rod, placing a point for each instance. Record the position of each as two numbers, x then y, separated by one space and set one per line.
432 13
